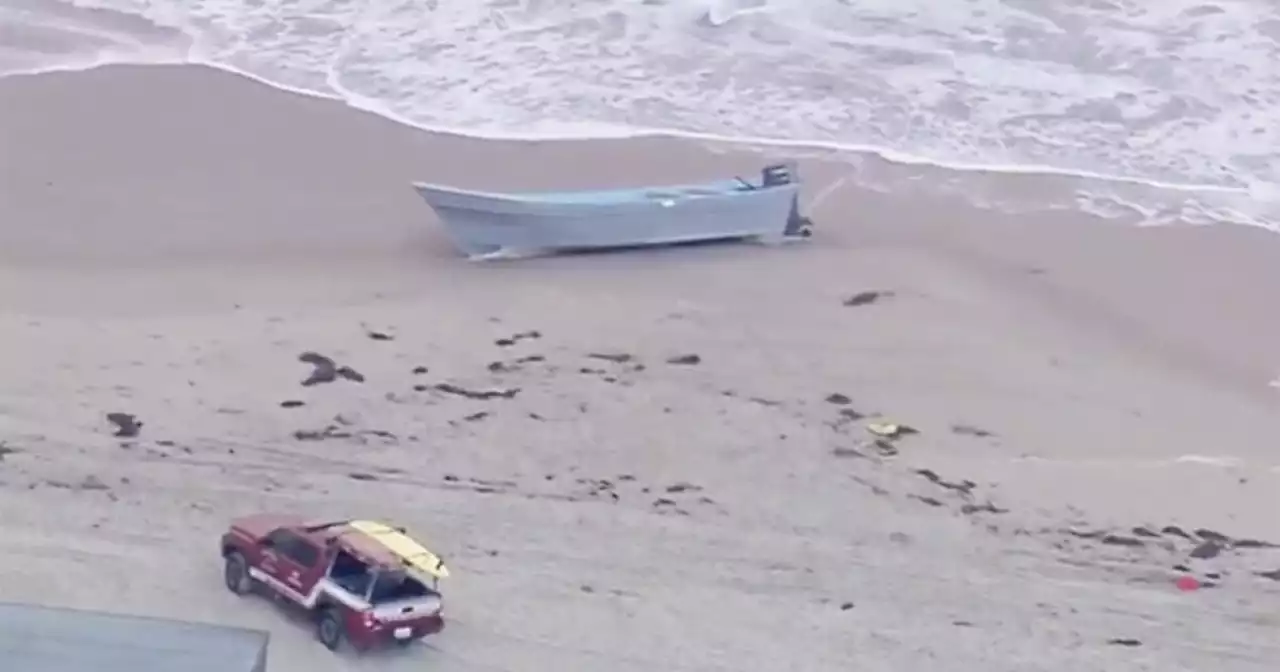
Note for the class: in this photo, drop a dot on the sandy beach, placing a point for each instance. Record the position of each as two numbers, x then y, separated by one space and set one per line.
1092 401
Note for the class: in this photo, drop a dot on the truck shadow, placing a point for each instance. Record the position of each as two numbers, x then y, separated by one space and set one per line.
305 623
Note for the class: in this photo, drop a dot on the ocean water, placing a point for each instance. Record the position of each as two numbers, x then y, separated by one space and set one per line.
1157 111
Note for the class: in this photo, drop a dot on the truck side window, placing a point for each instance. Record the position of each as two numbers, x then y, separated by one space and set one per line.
277 538
302 552
294 547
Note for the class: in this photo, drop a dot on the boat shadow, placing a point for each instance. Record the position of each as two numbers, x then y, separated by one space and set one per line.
650 250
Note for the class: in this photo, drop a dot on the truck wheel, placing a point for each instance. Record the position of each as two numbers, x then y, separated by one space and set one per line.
236 574
329 629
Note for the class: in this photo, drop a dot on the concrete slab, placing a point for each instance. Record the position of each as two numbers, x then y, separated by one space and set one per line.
52 639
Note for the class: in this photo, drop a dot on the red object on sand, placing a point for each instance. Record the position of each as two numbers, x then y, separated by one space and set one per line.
1187 583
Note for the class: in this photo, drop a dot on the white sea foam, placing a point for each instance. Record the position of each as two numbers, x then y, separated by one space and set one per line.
1178 95
1215 461
1113 465
1211 460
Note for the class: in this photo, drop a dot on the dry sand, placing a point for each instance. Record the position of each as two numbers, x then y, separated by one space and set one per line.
172 238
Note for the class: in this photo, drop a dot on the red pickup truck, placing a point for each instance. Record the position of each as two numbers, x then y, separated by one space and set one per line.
364 582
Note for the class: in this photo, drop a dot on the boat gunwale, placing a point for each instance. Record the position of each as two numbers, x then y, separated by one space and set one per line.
527 203
713 189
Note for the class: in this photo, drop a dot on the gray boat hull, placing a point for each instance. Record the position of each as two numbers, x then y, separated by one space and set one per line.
484 225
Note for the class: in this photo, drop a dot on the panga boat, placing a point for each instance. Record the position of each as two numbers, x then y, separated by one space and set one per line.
491 225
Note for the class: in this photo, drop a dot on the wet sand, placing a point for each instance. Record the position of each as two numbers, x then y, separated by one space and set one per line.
173 238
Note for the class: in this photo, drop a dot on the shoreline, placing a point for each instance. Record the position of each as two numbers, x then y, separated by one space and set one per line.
171 238
812 149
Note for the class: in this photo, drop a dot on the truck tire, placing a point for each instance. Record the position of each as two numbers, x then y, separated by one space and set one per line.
236 574
329 629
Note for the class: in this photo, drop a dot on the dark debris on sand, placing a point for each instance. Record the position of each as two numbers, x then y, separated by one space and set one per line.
1210 543
865 298
481 395
1107 537
844 417
329 432
340 429
971 430
90 483
931 501
1206 550
963 487
985 507
1141 531
881 447
348 373
615 357
514 365
516 338
1195 544
1206 544
325 370
379 334
127 425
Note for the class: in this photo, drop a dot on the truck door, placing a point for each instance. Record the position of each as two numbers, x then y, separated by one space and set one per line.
295 563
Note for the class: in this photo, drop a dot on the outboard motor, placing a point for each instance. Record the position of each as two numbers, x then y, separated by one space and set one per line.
778 175
775 175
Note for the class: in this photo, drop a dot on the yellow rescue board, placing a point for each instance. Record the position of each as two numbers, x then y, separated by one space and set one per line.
403 546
